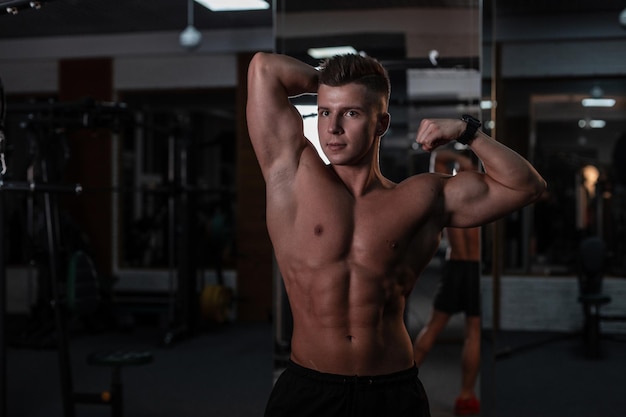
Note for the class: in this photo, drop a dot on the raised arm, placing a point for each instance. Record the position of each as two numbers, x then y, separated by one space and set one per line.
274 125
472 198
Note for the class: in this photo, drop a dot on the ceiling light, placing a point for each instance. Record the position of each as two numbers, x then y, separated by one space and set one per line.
234 5
486 104
591 124
320 53
190 38
597 124
598 102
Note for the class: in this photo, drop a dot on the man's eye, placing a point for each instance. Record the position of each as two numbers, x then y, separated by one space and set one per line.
323 113
351 113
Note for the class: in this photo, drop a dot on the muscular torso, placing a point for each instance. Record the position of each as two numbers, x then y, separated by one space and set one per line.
349 263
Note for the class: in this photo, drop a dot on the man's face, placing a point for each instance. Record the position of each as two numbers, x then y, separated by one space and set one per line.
349 120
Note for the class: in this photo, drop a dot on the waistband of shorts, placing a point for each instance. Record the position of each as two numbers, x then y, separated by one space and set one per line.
396 377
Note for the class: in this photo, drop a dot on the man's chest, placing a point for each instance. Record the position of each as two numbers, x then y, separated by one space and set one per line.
336 228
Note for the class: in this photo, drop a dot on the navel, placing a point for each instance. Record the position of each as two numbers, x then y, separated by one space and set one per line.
392 244
349 337
318 230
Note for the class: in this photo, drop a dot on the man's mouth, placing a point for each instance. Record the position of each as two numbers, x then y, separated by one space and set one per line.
334 146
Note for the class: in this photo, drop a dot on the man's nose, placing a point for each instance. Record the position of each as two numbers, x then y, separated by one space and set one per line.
334 125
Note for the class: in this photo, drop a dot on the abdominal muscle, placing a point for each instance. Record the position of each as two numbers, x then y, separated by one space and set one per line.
348 322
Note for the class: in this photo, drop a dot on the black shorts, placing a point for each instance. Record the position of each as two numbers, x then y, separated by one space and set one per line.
459 289
303 392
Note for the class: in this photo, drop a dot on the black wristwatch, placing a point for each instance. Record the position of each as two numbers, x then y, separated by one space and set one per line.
470 131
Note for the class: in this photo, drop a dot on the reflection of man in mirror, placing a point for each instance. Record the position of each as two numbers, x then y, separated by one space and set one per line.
459 291
350 244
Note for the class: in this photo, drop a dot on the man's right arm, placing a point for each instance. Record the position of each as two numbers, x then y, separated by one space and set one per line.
274 125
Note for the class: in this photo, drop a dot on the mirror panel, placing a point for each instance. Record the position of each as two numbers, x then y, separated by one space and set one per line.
432 52
532 316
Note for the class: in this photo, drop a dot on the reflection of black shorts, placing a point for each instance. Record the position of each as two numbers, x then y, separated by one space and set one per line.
459 289
303 392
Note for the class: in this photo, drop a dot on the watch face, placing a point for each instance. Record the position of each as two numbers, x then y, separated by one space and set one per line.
471 120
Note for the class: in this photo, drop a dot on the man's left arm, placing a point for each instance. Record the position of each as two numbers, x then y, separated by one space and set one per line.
509 182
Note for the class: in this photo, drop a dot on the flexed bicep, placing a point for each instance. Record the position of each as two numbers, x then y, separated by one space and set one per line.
475 199
274 125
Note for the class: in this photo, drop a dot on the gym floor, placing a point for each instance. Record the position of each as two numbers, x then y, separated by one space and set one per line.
228 371
224 371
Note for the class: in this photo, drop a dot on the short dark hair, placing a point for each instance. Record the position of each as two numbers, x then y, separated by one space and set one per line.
352 68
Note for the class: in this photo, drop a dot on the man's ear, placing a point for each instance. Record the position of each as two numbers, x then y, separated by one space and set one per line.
384 120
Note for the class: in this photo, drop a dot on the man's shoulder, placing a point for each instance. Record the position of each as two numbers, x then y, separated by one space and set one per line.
425 179
418 193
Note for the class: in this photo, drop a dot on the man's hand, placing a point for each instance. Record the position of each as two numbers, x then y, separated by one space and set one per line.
433 133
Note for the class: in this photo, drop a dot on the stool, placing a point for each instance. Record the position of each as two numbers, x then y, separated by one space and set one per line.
115 360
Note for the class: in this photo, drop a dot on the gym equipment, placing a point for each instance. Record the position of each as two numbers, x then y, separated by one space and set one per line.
13 7
592 262
83 290
44 126
216 303
82 299
592 257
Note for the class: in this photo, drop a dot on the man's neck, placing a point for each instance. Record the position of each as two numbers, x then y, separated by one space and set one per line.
360 180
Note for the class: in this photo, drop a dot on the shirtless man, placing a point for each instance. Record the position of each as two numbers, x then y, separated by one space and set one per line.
459 291
350 244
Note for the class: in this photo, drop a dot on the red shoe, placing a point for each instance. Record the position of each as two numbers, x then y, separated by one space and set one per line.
466 406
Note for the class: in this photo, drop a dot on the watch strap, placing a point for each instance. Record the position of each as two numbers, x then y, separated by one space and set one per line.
470 130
